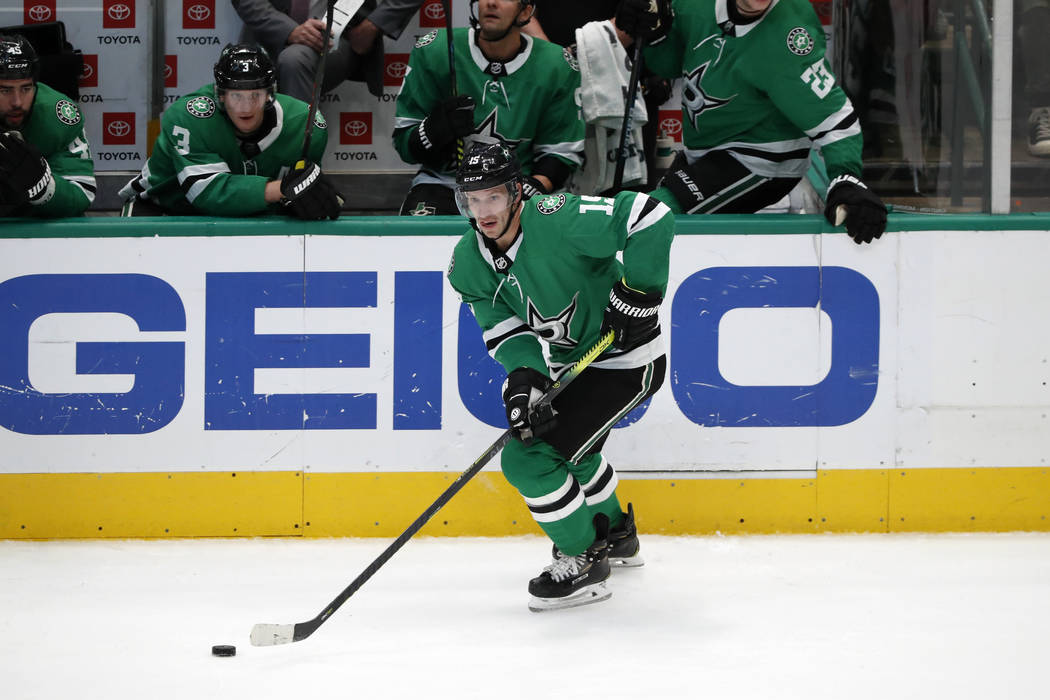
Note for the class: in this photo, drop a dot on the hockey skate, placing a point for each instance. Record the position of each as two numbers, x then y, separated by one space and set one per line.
624 548
569 582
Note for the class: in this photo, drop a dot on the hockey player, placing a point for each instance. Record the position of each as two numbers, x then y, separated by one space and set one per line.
512 88
757 94
230 149
542 274
45 167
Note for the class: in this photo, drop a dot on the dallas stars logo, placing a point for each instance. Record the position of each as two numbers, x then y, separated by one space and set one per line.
694 99
555 330
201 107
67 112
551 203
488 132
799 41
426 38
319 120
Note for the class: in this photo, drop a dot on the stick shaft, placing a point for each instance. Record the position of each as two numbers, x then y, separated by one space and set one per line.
263 635
447 7
625 129
318 81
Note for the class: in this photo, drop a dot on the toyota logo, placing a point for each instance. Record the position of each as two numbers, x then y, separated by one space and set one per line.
355 128
397 69
87 71
198 13
671 126
118 128
434 10
40 13
168 70
119 12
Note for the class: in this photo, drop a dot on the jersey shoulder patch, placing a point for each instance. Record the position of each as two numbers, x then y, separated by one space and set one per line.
67 112
319 121
799 41
201 106
550 203
569 53
427 38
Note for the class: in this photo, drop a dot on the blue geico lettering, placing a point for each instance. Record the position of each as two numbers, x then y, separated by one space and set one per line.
158 367
233 351
704 395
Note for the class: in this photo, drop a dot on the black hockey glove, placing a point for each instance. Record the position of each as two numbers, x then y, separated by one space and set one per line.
522 390
633 315
683 180
26 172
865 212
656 89
308 195
530 187
452 119
645 20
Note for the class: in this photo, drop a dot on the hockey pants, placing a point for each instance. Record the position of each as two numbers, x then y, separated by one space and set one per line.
562 476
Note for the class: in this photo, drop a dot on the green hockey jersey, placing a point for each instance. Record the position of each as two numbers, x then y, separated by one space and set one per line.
762 91
56 128
531 103
198 166
562 266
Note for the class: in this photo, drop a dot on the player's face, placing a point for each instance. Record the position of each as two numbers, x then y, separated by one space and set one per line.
496 16
245 108
491 209
16 99
752 7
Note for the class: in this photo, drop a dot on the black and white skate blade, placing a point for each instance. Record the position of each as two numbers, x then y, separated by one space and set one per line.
626 562
594 593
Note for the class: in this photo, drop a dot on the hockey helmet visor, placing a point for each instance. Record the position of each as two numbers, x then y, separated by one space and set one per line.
488 181
522 6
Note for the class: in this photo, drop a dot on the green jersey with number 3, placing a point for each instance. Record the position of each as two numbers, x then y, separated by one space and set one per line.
198 165
763 91
557 275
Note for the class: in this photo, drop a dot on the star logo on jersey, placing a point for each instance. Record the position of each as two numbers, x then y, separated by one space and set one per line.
694 99
569 54
67 112
422 209
319 121
551 203
555 330
201 107
488 132
799 41
427 38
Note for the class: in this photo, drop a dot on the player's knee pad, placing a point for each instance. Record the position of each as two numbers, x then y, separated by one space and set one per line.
526 465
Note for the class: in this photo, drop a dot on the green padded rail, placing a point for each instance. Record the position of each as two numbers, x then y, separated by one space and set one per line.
724 224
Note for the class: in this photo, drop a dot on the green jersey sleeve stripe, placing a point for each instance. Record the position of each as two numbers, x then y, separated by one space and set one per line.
504 331
645 212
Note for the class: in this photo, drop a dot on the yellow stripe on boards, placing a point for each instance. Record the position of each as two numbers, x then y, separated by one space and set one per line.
252 504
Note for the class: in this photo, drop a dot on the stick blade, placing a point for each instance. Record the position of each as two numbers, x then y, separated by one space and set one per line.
268 635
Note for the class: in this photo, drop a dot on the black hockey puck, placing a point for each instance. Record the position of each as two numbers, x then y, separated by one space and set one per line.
224 650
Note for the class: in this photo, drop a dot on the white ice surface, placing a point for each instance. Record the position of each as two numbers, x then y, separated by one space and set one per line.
814 617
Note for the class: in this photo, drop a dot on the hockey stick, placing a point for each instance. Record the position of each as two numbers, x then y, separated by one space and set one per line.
265 634
318 81
632 91
446 6
840 214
